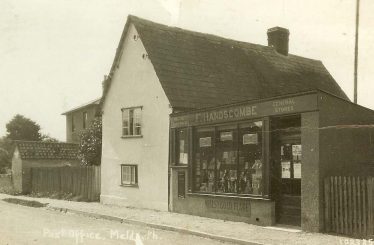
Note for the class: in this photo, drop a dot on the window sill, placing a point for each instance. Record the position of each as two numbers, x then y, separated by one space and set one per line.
265 198
128 185
131 136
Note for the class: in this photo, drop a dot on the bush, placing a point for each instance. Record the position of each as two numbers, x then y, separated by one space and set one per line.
89 151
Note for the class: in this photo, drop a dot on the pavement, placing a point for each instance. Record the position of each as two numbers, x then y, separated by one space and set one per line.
225 231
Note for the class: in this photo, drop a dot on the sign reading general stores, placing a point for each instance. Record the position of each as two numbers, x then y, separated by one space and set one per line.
289 105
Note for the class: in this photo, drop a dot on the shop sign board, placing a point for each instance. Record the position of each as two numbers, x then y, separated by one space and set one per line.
289 105
219 205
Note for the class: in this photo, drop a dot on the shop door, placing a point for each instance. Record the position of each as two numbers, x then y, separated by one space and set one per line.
286 170
289 203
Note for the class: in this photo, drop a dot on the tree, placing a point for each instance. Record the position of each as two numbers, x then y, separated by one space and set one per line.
6 150
89 151
22 128
4 160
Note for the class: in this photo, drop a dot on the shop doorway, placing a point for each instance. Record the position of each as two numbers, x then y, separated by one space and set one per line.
286 164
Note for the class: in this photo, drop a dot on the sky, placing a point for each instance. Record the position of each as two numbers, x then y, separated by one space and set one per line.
54 54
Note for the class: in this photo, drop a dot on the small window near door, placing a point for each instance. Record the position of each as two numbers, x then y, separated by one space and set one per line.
129 175
182 146
181 184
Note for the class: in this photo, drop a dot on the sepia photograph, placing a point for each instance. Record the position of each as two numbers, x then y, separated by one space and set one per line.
183 122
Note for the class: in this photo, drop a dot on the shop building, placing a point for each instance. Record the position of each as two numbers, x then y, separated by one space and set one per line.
174 137
264 161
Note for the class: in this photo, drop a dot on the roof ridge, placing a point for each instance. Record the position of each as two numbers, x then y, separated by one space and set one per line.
258 69
211 37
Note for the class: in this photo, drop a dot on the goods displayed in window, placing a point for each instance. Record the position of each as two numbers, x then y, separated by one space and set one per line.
232 164
204 167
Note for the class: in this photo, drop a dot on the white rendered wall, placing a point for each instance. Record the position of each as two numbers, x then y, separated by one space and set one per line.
135 83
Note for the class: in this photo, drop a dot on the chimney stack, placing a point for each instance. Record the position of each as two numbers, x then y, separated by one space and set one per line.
278 38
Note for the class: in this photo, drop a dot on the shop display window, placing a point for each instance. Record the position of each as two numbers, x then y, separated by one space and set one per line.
204 162
226 155
250 158
228 159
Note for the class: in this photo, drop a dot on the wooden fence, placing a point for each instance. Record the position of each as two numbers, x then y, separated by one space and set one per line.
349 205
82 182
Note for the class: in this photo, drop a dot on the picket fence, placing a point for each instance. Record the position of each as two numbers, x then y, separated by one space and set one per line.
349 205
82 181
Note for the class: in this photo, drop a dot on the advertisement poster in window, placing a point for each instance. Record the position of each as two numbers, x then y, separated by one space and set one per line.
183 158
286 170
225 136
296 152
249 139
205 142
297 170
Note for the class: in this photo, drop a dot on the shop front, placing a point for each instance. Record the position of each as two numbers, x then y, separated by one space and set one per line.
240 162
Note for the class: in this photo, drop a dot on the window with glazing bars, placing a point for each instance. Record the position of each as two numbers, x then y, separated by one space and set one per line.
129 174
131 121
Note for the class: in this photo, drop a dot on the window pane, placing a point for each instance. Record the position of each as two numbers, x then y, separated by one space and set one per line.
129 175
250 158
125 175
131 116
85 119
137 121
226 155
132 174
138 130
182 148
125 122
204 164
72 123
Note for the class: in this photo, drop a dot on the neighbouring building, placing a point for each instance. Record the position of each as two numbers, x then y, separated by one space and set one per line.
79 118
28 154
199 124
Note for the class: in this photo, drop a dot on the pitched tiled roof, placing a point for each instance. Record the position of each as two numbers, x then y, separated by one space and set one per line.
46 150
200 70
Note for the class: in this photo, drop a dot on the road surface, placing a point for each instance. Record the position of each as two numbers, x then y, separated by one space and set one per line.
27 225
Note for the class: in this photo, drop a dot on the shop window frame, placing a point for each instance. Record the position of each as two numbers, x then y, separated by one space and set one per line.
177 146
264 158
